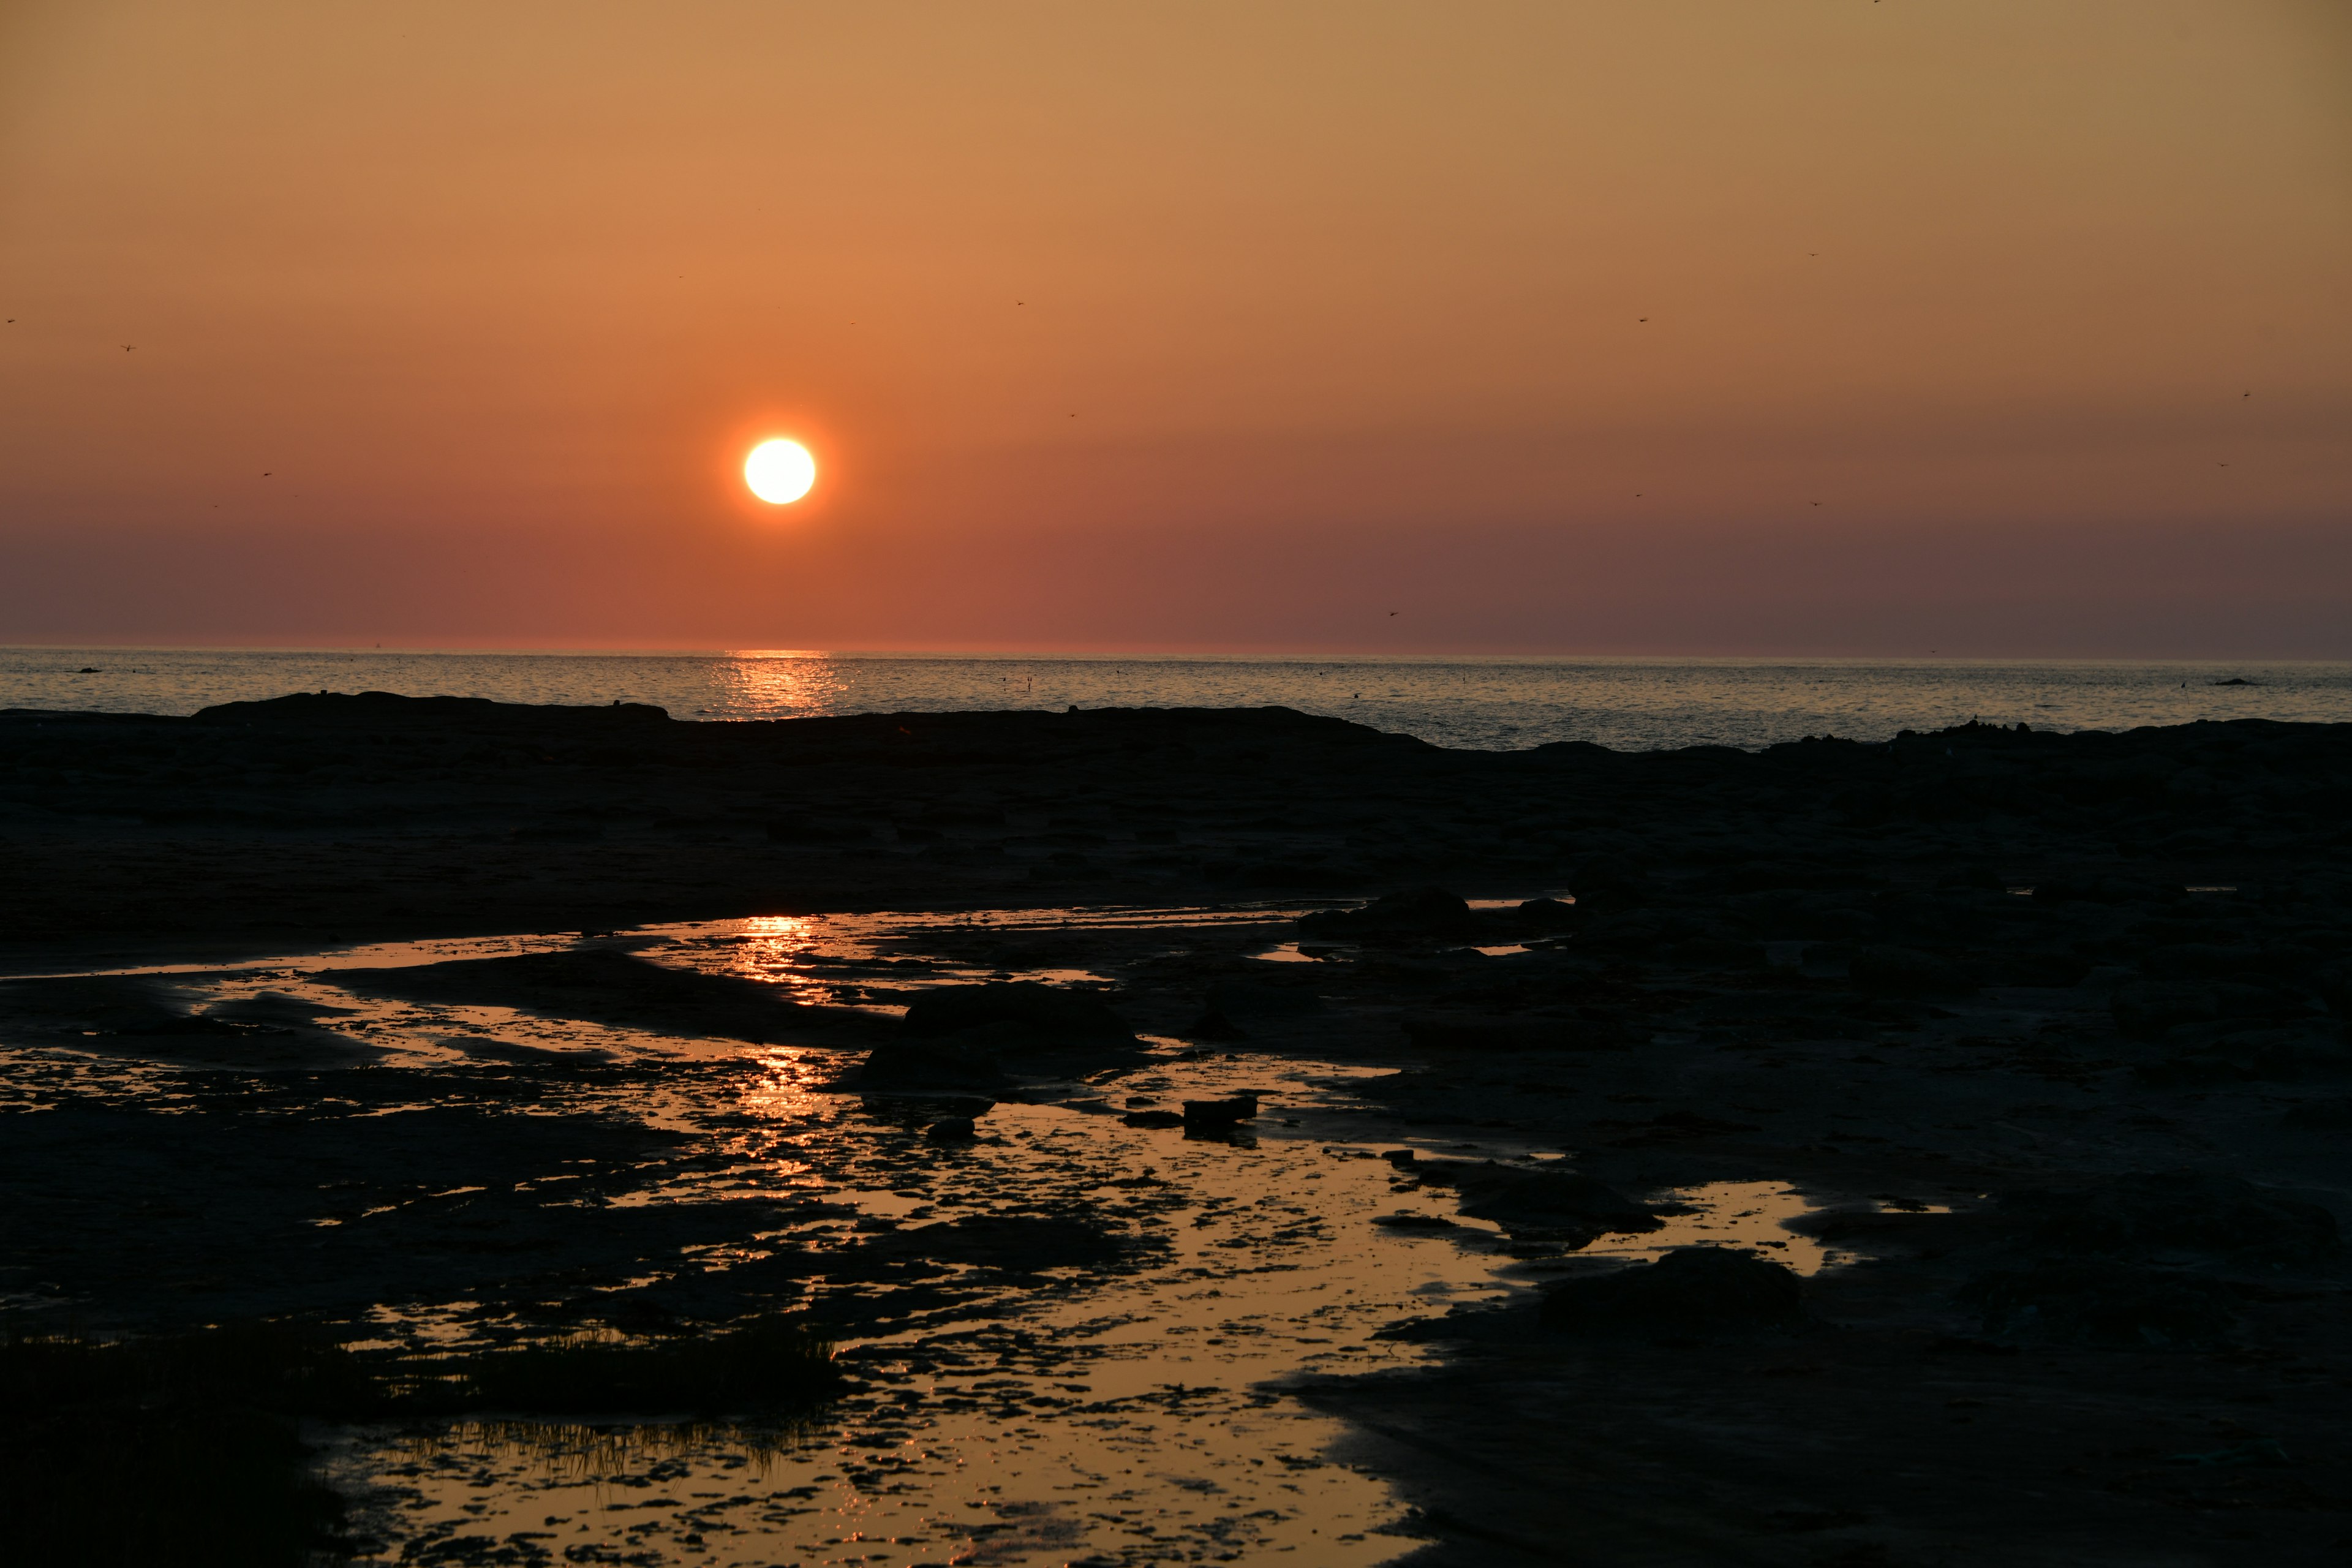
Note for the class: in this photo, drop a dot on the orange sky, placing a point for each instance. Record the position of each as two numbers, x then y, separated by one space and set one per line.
1200 326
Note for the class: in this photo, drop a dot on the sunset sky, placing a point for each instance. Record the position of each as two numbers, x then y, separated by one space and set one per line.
1989 327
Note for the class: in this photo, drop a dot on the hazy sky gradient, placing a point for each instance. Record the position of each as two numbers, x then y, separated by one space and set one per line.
1217 326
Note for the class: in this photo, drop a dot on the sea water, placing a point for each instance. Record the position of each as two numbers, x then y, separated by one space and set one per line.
1483 703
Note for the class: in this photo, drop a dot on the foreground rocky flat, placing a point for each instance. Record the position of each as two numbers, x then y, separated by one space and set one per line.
2046 1032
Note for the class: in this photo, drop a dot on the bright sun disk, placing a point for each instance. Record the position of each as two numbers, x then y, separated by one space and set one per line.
780 471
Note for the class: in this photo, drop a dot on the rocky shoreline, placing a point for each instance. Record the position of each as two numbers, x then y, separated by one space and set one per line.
2049 1030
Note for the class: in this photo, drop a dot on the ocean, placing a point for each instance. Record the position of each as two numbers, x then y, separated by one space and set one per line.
1627 704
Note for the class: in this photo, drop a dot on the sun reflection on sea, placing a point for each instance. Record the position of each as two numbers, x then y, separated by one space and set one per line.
777 683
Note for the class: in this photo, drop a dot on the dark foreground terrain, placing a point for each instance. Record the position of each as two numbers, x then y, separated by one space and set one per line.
2048 1031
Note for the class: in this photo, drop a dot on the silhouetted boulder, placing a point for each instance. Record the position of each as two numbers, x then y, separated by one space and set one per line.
1697 1289
1605 884
1537 917
1218 1115
1214 1025
1424 914
1514 1195
1056 1017
966 1061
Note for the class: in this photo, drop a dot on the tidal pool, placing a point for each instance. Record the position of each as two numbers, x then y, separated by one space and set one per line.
1124 1404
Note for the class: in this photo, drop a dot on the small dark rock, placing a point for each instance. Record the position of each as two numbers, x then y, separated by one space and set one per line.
1692 1288
1214 1025
1424 914
952 1130
1211 1115
1152 1118
1536 915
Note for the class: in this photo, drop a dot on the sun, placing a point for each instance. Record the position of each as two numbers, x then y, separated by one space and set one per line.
780 471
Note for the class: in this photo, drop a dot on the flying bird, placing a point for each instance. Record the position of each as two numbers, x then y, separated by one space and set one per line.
126 348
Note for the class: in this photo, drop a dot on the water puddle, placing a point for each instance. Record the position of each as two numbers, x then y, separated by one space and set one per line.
1069 1339
1753 1216
1128 1422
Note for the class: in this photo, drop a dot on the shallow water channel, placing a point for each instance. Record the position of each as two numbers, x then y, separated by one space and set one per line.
1065 1413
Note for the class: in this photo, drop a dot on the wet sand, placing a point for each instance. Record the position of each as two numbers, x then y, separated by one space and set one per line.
2025 1052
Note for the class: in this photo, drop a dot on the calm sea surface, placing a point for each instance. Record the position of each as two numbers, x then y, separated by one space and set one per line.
1489 704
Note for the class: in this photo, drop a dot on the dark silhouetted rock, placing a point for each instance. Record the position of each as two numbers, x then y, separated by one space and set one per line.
636 1312
2229 1051
1214 1025
966 1061
1216 1115
1906 972
2043 969
1679 1127
1442 1032
2103 890
2146 1009
1514 1195
1053 1015
1605 884
1249 999
2179 1211
1153 1119
952 1130
1717 953
1691 1289
1425 914
1536 916
2105 1304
